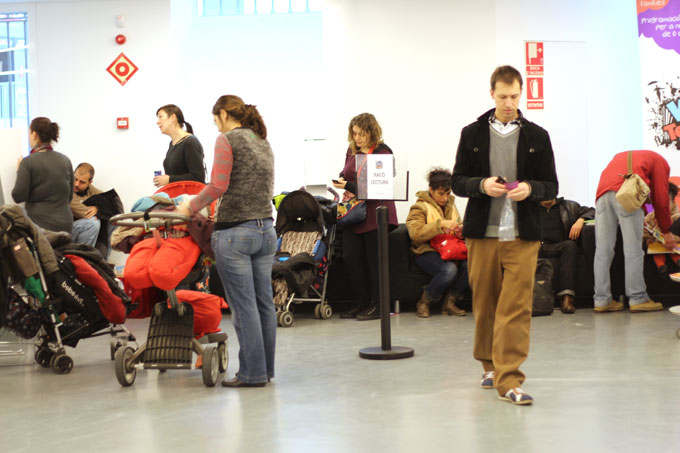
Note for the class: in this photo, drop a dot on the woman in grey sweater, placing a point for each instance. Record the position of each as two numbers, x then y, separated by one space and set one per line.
45 179
244 240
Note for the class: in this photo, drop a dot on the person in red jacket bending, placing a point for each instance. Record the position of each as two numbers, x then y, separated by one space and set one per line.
609 214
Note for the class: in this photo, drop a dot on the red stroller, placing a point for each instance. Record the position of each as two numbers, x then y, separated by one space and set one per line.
176 324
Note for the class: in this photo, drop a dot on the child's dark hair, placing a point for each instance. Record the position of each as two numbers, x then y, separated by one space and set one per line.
439 178
672 190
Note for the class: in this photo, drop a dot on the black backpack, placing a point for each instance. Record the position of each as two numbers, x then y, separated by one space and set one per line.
544 297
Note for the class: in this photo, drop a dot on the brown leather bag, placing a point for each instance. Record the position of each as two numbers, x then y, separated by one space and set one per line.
22 259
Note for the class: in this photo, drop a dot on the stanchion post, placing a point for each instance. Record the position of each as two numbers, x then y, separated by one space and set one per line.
386 351
384 278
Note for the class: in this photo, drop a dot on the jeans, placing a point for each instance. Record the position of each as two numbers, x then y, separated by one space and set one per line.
608 215
445 274
245 255
85 231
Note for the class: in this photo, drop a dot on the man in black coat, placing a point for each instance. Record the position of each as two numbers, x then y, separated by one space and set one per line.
562 224
505 167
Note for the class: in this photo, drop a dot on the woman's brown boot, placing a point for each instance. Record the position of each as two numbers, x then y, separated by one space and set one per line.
423 305
449 307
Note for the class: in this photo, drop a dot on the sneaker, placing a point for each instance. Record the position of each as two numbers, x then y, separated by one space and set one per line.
517 397
650 305
487 380
614 305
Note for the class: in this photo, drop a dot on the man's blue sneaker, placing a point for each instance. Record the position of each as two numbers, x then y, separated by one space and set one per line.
517 397
487 380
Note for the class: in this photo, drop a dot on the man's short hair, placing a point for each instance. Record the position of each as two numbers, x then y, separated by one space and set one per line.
86 167
506 74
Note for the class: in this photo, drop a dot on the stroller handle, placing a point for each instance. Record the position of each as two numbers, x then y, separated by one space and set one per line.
149 220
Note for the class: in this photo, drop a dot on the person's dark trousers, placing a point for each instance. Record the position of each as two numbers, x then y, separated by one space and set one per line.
360 253
566 251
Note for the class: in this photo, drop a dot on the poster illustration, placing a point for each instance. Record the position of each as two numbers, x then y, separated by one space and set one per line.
659 38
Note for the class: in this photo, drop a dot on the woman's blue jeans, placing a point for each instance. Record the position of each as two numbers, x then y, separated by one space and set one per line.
245 255
445 274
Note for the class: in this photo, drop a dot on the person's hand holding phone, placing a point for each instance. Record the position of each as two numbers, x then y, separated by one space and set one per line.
339 183
494 186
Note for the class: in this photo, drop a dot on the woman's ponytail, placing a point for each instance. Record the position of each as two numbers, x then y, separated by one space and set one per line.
253 120
246 114
47 131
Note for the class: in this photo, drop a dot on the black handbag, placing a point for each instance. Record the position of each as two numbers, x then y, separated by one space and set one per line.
20 317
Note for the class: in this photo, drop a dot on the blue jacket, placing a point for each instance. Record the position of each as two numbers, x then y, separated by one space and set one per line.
535 166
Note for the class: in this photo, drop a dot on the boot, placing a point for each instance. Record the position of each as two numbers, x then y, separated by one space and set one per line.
567 304
372 312
449 306
423 305
354 311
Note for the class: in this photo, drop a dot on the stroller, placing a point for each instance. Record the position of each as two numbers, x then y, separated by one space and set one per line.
187 315
305 226
58 290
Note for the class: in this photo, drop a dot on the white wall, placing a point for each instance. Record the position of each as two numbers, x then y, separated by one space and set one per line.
74 45
421 67
609 76
272 61
423 70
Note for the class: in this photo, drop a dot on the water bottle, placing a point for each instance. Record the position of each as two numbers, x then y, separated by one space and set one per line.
506 225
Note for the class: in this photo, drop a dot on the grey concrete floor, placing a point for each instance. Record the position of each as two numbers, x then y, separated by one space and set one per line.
602 383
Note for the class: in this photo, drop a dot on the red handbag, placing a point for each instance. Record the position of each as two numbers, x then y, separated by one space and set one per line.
450 247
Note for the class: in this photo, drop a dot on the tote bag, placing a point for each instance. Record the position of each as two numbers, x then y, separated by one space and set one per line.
634 191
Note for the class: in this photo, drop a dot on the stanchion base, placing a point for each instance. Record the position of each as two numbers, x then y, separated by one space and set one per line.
378 353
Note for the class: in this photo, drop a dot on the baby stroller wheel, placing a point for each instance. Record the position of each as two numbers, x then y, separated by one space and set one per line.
325 311
43 357
317 311
115 346
211 366
286 319
223 356
125 370
62 364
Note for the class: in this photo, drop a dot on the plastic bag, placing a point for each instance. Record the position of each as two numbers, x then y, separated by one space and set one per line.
506 225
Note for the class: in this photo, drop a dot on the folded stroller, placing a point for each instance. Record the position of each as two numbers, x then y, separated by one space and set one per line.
305 226
186 315
55 289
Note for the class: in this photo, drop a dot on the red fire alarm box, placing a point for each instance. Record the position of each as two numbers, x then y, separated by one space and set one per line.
122 123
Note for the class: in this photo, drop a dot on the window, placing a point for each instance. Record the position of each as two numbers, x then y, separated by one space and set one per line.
13 70
246 7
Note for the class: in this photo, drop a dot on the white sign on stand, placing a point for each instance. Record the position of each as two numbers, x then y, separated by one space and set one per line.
375 176
380 177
